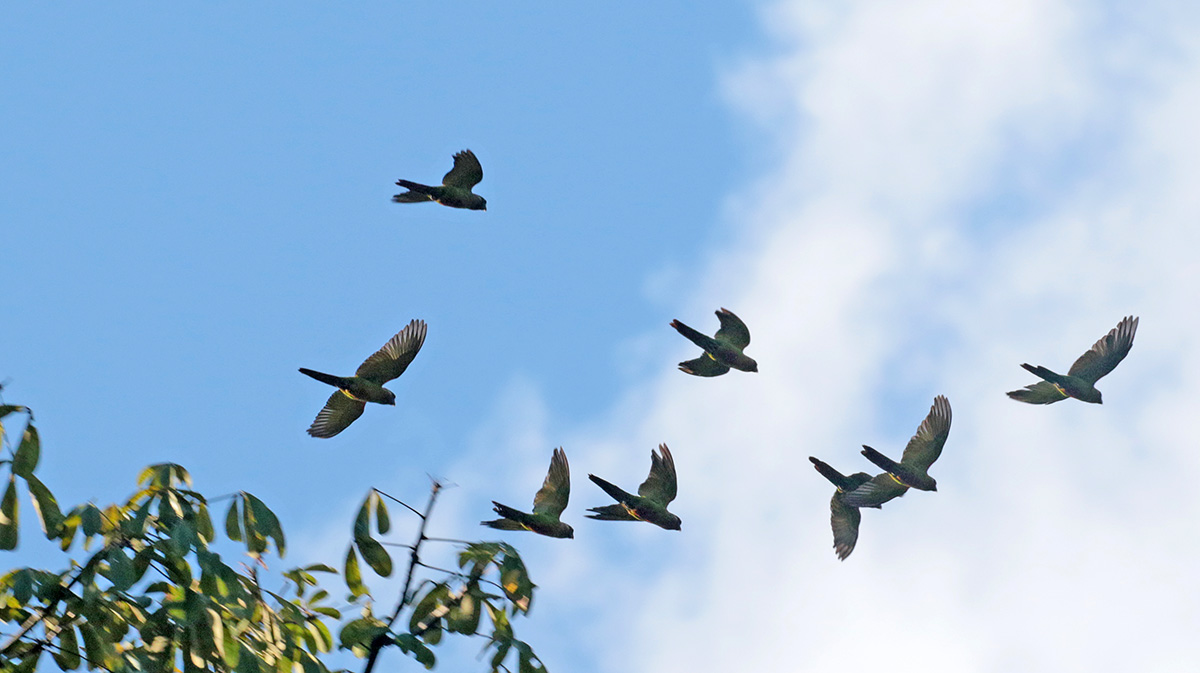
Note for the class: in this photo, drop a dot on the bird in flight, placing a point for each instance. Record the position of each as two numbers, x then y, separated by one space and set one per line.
842 517
347 403
455 190
1080 381
650 504
722 351
548 504
913 469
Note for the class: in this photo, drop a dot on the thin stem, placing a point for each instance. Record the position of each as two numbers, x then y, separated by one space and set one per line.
410 508
413 561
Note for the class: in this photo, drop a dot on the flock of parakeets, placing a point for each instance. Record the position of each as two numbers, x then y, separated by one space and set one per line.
722 352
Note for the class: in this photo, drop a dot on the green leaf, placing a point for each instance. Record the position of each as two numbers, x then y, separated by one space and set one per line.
120 569
360 632
6 409
383 523
8 516
67 654
255 542
430 608
320 568
92 520
268 524
22 585
46 507
375 556
28 451
362 522
353 574
232 528
412 645
204 525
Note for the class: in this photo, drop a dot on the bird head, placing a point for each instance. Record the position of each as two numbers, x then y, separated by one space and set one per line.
391 397
673 522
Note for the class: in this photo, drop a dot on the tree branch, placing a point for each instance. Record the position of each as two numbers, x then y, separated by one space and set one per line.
414 560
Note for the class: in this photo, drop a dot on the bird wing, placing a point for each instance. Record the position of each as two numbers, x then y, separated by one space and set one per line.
340 411
733 331
466 172
390 361
926 445
844 520
1042 392
661 485
552 497
704 365
1106 353
880 489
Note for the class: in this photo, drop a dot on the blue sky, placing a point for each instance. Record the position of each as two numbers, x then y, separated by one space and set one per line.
900 199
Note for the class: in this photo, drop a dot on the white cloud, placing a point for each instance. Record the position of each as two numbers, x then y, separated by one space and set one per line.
876 267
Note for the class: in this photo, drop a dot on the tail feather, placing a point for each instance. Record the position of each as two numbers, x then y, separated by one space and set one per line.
502 524
883 462
701 340
335 381
837 478
610 489
417 187
610 513
1042 373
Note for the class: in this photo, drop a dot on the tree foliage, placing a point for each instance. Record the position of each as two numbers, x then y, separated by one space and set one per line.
145 589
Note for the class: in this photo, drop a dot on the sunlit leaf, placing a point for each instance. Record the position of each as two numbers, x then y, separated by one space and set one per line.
46 507
25 460
268 524
66 655
375 556
353 574
383 523
233 529
8 516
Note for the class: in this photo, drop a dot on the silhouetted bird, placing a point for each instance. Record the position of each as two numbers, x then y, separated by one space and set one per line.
722 351
456 186
1080 380
347 404
548 504
913 469
842 517
650 504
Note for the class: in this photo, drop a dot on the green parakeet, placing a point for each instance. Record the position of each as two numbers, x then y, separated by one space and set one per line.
650 504
456 186
1080 380
548 504
722 351
913 469
348 402
843 518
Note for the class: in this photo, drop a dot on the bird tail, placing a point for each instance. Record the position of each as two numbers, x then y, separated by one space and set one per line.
701 340
417 187
616 493
886 464
610 513
513 519
1043 373
837 478
335 381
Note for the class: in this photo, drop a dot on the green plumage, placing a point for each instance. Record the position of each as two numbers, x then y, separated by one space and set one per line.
348 402
1102 358
548 504
455 190
913 469
722 351
650 504
843 519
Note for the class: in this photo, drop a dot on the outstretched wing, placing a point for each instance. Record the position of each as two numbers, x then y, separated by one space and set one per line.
340 411
880 489
1106 353
661 485
844 520
466 172
1042 392
926 445
733 331
704 365
552 497
390 361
